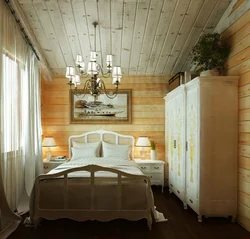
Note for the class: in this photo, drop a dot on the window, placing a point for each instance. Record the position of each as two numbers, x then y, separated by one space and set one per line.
11 107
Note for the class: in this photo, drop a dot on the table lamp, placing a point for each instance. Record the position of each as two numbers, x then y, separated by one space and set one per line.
49 142
143 142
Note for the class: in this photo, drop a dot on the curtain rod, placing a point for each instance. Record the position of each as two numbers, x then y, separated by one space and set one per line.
26 37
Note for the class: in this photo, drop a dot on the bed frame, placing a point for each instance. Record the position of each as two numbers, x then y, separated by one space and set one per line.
92 213
103 135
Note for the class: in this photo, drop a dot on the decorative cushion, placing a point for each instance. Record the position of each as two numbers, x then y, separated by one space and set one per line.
96 146
114 150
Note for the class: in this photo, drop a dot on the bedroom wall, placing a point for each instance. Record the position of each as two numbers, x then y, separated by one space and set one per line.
239 65
148 112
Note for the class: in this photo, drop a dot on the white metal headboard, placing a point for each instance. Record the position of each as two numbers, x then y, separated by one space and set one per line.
103 135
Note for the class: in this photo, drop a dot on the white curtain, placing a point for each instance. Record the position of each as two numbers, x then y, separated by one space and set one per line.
20 122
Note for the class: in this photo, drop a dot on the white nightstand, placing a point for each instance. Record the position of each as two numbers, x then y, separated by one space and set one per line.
154 169
49 165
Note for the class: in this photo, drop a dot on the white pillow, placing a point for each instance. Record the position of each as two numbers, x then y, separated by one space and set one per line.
80 153
114 150
96 146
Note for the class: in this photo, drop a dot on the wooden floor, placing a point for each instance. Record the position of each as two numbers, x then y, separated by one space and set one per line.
181 224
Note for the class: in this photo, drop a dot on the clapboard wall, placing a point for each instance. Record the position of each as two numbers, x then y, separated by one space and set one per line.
148 112
238 64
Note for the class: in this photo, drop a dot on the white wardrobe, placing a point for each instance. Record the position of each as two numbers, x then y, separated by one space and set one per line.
201 144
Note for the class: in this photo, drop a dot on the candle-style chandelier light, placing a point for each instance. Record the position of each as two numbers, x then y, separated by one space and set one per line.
94 86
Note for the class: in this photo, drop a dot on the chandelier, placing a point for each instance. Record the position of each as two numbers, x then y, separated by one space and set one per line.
94 85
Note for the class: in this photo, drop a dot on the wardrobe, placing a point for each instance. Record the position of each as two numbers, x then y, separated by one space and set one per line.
201 144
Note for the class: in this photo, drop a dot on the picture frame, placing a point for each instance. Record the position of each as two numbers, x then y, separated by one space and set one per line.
84 110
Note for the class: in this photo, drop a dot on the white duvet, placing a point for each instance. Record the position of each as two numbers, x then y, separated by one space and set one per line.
124 165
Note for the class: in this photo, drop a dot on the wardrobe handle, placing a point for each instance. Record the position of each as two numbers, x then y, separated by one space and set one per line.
186 145
175 144
191 200
178 191
171 185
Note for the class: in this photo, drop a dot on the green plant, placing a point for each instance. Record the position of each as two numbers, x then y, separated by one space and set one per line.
153 144
210 52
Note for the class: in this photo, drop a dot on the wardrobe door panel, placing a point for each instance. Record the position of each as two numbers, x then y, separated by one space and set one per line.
171 105
180 143
192 137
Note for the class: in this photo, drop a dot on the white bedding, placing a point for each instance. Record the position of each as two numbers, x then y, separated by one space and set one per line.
127 166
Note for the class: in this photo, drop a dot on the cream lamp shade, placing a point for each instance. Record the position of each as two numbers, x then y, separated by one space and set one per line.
49 142
143 141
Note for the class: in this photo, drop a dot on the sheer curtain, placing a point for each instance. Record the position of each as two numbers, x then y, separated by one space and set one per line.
20 122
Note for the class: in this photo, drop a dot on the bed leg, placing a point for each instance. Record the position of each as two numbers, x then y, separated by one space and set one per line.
149 221
36 222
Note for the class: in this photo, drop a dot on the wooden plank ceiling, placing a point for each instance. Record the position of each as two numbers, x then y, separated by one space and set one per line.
145 37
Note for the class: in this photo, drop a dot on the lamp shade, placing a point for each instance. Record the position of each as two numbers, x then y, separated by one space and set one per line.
49 141
143 141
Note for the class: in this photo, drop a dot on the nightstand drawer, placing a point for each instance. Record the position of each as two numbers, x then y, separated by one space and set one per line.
151 168
48 166
156 168
145 167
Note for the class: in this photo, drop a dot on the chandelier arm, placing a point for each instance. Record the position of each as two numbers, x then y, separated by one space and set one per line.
105 75
85 88
110 96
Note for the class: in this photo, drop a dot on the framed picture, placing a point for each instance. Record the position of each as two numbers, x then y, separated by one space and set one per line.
84 110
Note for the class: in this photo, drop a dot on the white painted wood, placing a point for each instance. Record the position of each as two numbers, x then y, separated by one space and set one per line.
189 19
152 37
128 24
177 19
152 23
154 169
175 128
211 122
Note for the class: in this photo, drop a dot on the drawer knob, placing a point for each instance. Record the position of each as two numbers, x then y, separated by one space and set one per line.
45 167
178 191
156 167
171 185
143 167
191 200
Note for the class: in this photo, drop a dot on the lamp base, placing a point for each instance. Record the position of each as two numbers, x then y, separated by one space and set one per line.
48 155
143 153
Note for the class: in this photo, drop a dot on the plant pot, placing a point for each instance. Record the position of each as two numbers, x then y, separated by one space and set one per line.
153 155
212 72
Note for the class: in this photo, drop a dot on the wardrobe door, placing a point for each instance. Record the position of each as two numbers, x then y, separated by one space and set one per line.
180 124
192 153
171 141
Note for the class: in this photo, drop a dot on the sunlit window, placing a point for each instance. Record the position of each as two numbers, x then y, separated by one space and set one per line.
11 108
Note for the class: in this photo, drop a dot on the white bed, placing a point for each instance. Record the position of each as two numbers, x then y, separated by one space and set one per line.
89 187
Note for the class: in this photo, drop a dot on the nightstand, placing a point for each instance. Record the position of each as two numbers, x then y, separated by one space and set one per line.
49 165
154 169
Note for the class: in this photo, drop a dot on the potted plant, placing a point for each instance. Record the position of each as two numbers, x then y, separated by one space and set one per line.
153 151
210 53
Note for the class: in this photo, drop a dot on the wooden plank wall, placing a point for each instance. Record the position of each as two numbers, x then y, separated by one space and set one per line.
148 112
239 64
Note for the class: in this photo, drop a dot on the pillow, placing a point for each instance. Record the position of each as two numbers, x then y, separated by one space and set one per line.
79 153
96 146
114 150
